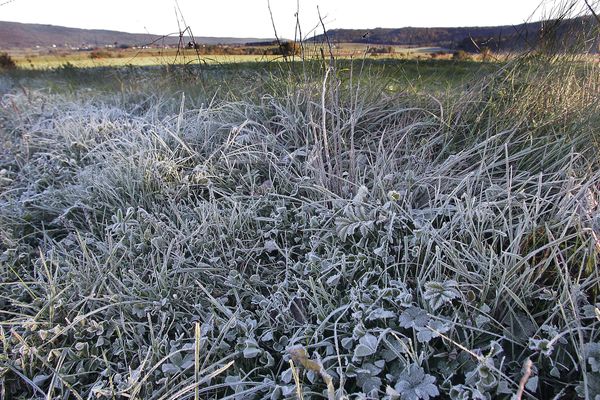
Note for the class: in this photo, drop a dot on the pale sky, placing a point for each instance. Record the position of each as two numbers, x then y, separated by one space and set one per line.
250 18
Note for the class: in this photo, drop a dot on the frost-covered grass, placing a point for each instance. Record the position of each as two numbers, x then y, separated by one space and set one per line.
317 235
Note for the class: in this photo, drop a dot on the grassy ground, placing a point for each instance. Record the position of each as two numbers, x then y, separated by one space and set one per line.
399 230
49 61
149 57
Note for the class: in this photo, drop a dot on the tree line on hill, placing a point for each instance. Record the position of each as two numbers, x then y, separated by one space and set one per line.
559 34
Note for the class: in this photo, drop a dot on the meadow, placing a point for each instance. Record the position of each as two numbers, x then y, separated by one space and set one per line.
336 229
56 58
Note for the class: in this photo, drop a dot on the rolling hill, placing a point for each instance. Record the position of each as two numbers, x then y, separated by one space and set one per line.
508 37
14 35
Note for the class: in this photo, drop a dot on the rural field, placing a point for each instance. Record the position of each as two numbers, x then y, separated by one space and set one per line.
29 59
322 229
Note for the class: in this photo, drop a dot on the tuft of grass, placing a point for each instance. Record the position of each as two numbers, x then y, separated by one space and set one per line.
404 241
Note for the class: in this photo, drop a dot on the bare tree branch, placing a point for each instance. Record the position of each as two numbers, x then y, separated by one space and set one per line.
587 3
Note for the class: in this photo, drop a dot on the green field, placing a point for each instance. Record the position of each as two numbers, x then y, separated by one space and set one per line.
139 60
367 229
29 59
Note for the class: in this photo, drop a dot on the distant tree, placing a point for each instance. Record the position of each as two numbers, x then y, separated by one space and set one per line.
461 55
6 62
289 48
486 54
381 50
96 54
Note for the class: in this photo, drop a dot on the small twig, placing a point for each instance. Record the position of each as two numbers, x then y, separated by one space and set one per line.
275 31
587 3
188 29
300 355
324 120
197 337
331 57
524 379
297 381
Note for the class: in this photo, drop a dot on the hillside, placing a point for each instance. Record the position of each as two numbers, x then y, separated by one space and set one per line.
508 37
17 35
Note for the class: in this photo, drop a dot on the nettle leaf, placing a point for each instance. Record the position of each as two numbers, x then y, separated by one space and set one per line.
333 280
359 331
415 384
367 345
176 358
439 293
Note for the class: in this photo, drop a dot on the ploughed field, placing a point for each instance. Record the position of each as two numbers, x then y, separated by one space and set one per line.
370 229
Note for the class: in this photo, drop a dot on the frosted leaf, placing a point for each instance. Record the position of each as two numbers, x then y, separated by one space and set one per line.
367 345
286 376
414 317
544 346
431 331
592 354
414 384
379 313
361 194
368 383
394 195
170 369
439 293
347 342
270 246
251 349
462 392
593 386
532 384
